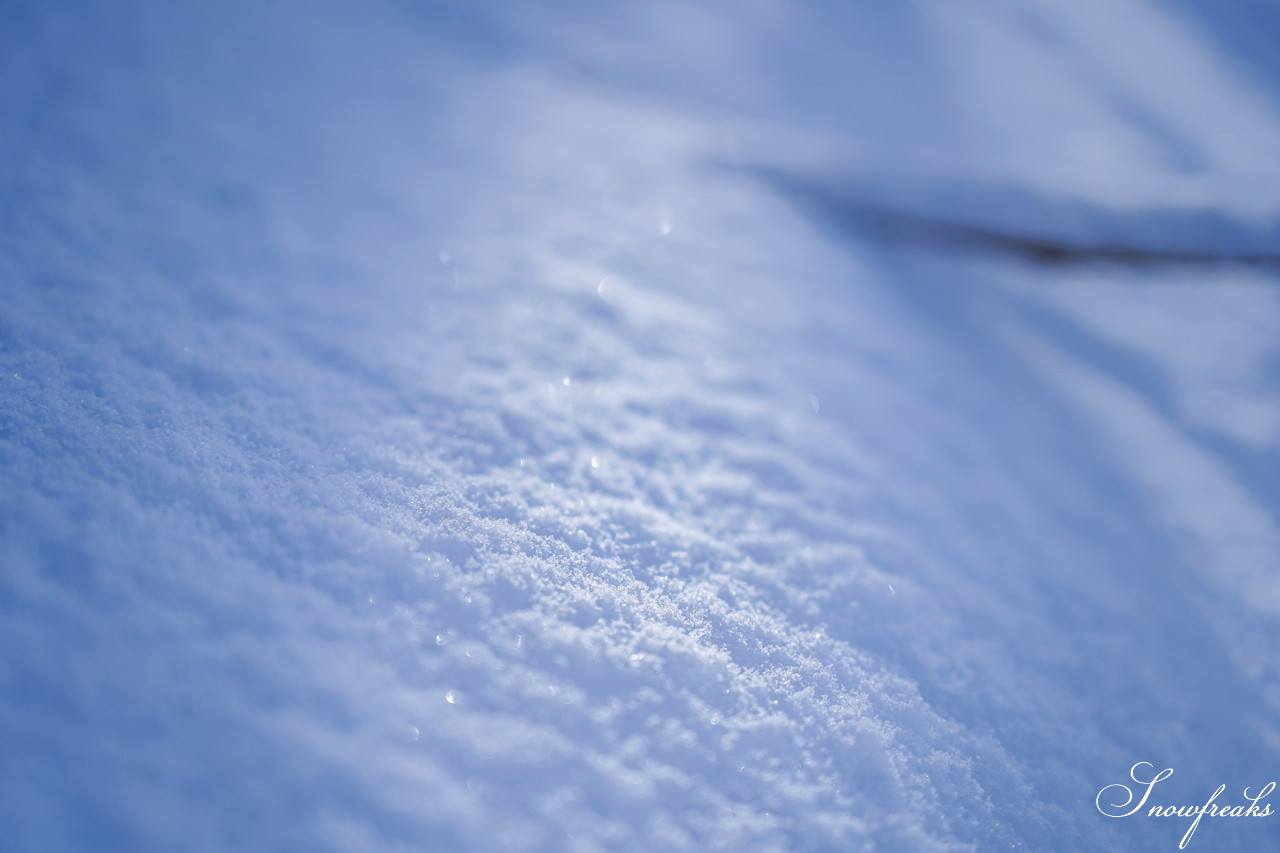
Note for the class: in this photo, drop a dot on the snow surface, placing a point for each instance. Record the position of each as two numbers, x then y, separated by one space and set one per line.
427 427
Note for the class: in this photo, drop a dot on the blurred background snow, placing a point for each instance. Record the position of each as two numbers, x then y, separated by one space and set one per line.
430 427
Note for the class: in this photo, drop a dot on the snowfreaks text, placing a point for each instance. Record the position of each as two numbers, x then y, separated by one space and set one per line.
1118 801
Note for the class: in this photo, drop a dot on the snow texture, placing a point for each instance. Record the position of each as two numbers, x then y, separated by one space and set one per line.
437 428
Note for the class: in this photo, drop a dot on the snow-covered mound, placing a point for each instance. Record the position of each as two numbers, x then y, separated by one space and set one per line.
429 428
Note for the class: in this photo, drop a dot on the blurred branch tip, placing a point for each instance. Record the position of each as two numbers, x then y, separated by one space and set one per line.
1065 233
